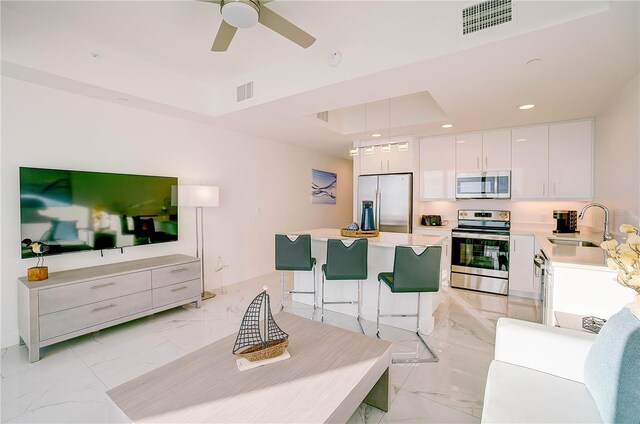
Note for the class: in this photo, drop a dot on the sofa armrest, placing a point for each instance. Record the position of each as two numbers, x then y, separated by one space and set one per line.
554 350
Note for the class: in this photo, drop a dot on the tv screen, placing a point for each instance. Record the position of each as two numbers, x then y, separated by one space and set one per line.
73 211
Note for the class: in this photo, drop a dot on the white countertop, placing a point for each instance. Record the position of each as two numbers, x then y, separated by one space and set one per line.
383 240
563 255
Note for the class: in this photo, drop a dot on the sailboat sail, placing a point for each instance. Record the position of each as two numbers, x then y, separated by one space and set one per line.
250 334
254 342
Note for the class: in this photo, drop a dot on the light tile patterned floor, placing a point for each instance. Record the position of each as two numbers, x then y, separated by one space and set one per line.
68 384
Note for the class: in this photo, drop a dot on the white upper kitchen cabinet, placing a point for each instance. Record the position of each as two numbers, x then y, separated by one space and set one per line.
521 268
390 162
571 160
437 168
496 150
530 162
482 152
469 152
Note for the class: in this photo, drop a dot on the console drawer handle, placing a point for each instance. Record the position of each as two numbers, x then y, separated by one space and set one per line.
179 270
102 308
99 286
179 288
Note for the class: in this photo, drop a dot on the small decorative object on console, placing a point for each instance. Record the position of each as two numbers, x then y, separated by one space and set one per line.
593 324
38 272
257 340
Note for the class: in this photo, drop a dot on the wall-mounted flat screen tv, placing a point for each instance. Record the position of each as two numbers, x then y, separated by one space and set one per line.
73 211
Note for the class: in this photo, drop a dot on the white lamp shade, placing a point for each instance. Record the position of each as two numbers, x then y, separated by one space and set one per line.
199 196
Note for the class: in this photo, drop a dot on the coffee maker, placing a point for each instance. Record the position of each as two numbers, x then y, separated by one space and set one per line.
566 222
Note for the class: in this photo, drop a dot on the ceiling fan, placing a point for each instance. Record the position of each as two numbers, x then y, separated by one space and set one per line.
245 14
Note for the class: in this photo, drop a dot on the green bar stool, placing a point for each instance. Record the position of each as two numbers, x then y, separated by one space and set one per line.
345 263
293 253
412 273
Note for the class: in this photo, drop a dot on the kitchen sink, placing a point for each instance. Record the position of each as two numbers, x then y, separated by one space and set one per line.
572 242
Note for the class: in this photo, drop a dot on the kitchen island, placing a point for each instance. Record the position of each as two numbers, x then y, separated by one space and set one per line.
380 259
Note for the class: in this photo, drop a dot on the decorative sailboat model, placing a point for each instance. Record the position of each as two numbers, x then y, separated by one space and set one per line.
259 337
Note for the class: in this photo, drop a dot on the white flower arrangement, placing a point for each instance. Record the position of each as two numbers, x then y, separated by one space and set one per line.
625 258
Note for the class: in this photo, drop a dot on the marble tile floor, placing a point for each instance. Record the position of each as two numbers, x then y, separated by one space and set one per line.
69 383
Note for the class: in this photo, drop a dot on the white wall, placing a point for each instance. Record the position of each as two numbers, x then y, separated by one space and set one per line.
617 155
264 185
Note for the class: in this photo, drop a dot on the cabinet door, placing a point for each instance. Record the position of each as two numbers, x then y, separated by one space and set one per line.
398 161
530 162
371 163
496 150
571 160
469 152
445 262
521 266
437 168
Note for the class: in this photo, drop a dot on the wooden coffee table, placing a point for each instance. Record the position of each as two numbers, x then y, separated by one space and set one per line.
331 371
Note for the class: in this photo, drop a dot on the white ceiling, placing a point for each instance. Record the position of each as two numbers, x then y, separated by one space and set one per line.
156 54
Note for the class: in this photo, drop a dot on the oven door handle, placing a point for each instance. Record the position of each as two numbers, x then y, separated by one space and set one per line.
480 236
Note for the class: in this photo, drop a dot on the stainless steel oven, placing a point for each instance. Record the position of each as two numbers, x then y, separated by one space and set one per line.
480 251
483 185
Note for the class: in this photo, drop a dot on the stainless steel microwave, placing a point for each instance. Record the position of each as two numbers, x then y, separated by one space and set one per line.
483 185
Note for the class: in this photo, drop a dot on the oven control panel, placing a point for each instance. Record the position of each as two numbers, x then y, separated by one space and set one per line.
484 215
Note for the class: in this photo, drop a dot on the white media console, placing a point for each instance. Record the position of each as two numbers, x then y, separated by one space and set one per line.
75 302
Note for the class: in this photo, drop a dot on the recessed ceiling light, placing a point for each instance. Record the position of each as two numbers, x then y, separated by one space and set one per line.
447 125
376 135
122 99
521 139
534 61
526 107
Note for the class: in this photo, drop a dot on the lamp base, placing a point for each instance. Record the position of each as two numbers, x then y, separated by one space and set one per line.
207 295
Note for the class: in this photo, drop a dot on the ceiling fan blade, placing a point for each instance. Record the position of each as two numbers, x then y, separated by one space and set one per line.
224 37
272 20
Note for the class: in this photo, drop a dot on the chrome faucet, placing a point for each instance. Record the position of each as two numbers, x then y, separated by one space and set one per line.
607 235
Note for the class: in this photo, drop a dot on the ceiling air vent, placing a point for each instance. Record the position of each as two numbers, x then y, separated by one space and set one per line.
245 91
324 116
485 15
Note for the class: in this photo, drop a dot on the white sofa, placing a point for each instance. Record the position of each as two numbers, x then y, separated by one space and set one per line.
537 376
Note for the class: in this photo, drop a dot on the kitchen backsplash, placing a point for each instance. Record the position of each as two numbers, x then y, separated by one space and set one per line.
539 212
523 212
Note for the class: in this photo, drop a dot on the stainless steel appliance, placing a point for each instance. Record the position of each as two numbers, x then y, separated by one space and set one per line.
483 185
566 221
392 196
480 251
432 221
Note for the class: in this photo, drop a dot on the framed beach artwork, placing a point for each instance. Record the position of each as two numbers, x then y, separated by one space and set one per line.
323 187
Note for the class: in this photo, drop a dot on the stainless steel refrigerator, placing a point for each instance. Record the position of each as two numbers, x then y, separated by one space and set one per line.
392 196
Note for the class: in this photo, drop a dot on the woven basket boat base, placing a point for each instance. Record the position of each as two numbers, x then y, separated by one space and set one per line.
244 364
258 353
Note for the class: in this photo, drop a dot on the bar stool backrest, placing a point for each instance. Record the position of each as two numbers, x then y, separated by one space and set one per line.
293 255
347 262
416 273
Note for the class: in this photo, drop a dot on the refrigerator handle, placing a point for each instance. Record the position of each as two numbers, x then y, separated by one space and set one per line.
378 197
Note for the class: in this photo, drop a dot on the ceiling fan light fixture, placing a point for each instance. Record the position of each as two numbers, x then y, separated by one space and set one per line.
240 13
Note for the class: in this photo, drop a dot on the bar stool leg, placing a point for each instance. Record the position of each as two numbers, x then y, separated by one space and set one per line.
435 355
360 303
378 312
281 290
322 307
315 297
